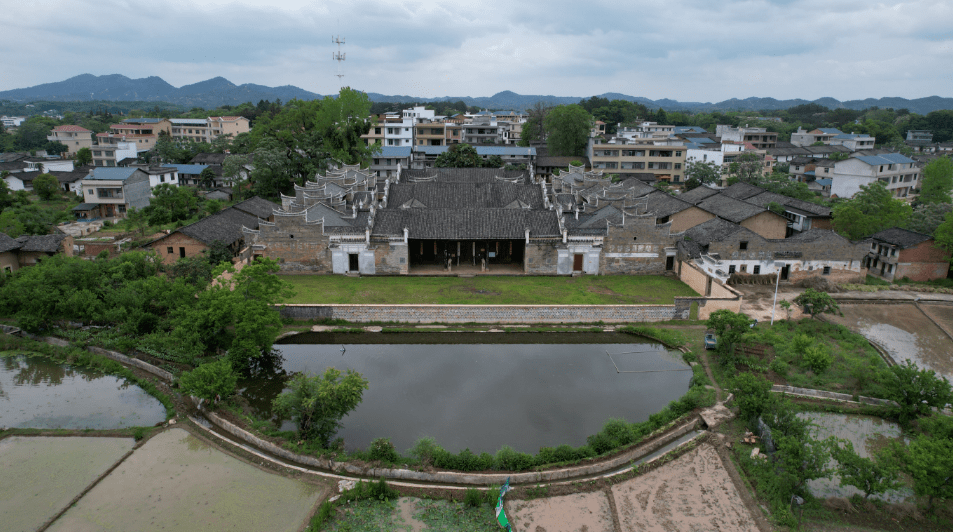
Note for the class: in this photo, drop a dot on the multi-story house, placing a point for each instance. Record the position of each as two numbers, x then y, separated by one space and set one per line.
484 129
431 134
759 137
194 129
854 141
74 138
824 135
12 121
425 156
143 132
109 154
663 158
227 125
110 192
897 253
645 130
919 135
897 171
386 163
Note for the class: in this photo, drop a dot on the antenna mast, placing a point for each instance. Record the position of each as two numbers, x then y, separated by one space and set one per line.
338 56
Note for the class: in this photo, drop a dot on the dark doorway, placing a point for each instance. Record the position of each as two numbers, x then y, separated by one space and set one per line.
785 271
577 262
352 263
182 252
670 263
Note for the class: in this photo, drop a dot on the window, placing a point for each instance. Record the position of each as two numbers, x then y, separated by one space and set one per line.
169 250
757 269
678 154
744 267
731 269
827 270
678 166
743 245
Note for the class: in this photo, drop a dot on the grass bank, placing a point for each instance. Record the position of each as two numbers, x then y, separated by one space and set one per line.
487 290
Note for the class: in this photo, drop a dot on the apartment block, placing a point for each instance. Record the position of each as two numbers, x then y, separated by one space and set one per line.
74 138
897 171
663 158
760 137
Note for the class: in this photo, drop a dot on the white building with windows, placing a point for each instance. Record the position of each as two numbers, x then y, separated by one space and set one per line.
897 171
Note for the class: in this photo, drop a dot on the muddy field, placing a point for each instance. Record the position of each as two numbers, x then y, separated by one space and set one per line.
39 476
903 331
178 482
758 301
868 435
568 513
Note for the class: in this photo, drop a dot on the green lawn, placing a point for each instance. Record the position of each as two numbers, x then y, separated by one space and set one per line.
487 290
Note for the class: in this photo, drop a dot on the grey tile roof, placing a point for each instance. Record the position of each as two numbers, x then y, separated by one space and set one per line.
804 207
697 194
224 226
464 175
70 177
112 174
475 224
8 244
257 206
729 208
662 204
742 191
713 230
900 237
42 243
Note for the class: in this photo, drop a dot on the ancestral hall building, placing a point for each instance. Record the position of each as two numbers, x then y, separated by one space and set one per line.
350 221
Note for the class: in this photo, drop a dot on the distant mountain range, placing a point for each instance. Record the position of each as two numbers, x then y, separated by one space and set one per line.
219 91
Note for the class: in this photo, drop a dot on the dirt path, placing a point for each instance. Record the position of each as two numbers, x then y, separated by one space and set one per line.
706 363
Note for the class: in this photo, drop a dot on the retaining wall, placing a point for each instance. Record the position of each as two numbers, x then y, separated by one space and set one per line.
114 355
451 477
490 313
822 394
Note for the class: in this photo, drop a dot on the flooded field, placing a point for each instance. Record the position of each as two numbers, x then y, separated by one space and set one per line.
867 434
904 332
525 390
36 392
176 482
691 493
39 476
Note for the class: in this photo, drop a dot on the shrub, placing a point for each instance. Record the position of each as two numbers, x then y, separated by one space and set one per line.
780 367
210 381
425 450
817 358
382 449
473 498
752 394
508 459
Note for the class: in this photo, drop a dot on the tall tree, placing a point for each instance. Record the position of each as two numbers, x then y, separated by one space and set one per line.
459 156
937 181
748 167
318 403
46 186
84 156
567 129
704 172
871 210
926 217
534 128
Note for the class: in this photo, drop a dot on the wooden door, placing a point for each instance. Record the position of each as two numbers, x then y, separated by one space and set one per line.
577 262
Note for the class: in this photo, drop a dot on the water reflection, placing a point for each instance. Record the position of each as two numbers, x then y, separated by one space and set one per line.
44 394
485 395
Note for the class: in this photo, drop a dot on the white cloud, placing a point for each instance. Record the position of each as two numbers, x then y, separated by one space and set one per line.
694 50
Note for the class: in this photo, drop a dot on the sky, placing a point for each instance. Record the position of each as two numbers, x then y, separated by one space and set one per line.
687 50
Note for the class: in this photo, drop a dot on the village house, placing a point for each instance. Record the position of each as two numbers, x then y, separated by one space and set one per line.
74 138
898 172
899 253
28 250
110 192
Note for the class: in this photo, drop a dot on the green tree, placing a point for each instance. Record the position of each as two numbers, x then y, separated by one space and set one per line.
703 172
493 161
937 181
170 204
929 462
234 168
752 395
317 404
137 220
459 156
84 157
817 302
943 236
748 167
916 391
801 460
217 252
870 475
274 169
871 210
210 381
839 156
567 129
534 129
207 178
927 217
729 327
46 186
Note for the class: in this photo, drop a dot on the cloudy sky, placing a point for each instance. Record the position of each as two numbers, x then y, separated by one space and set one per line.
689 50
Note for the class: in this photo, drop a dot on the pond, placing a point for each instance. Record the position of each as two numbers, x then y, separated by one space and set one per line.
485 390
36 392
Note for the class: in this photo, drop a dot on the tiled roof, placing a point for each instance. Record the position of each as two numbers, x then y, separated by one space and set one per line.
42 243
85 207
465 195
8 244
465 175
481 150
224 226
662 204
742 191
830 131
257 206
72 129
886 158
901 237
697 194
729 208
209 158
191 169
394 151
713 230
468 224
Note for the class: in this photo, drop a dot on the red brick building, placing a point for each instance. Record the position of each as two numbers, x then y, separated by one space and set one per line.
897 253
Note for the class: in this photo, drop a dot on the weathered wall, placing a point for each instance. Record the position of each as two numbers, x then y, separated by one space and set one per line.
693 277
720 297
767 224
923 262
8 262
391 258
175 240
297 245
540 258
638 246
488 313
689 218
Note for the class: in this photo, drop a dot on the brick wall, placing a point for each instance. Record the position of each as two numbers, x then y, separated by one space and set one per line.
540 258
721 297
490 313
923 262
638 247
175 241
297 245
693 277
391 259
767 224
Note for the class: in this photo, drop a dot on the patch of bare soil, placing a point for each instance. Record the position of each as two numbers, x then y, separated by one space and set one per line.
759 300
691 493
581 512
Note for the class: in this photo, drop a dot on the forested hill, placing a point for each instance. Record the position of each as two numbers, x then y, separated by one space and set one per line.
219 91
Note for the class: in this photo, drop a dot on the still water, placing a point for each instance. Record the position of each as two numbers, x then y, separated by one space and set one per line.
483 391
36 392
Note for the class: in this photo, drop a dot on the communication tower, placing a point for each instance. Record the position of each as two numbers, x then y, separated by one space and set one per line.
338 56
